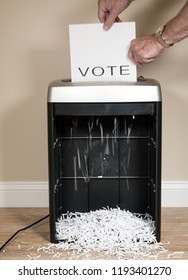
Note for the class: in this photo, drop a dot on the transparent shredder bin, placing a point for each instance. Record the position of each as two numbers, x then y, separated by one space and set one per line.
104 142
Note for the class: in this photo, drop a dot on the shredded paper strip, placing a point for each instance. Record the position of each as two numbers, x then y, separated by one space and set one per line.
113 232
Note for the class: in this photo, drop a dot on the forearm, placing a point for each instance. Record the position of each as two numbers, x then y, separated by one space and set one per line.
177 28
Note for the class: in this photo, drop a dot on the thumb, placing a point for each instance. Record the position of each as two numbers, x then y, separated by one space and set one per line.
110 19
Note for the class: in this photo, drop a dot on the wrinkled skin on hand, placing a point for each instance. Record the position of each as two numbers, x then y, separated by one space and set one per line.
109 10
144 50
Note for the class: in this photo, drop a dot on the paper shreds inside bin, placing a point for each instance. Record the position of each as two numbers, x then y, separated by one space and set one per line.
114 232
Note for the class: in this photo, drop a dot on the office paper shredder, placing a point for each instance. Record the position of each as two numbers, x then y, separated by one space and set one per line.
104 148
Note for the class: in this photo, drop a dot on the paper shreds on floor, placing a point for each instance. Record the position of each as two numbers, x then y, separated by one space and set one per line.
114 232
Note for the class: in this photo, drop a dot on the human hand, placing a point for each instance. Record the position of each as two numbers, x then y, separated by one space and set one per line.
144 50
108 11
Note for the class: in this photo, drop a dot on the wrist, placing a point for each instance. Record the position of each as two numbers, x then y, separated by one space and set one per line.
161 38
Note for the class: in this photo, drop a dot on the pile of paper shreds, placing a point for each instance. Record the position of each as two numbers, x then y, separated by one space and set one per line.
112 232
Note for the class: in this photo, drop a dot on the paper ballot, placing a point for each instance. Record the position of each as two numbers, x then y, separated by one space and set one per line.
98 55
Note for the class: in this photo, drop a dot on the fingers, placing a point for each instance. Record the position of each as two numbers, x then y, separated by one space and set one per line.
102 15
144 50
138 59
110 19
133 58
109 10
107 15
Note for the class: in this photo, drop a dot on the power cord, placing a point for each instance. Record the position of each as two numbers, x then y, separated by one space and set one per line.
22 229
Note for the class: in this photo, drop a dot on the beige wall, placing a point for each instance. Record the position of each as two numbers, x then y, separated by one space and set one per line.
34 50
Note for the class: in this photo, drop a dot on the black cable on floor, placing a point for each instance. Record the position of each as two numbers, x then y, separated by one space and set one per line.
22 229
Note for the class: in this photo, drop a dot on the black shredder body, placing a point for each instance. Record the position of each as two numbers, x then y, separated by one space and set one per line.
104 147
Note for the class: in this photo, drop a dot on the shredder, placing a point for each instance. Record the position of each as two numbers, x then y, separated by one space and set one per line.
104 148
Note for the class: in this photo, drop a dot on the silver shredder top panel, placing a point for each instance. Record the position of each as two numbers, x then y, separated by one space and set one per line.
144 90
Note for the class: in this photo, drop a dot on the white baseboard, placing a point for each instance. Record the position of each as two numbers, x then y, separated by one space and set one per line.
175 194
35 194
22 194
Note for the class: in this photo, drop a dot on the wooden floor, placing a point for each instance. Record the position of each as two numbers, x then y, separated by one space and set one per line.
27 244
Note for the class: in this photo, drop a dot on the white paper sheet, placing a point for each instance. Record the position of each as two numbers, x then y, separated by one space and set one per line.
98 55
